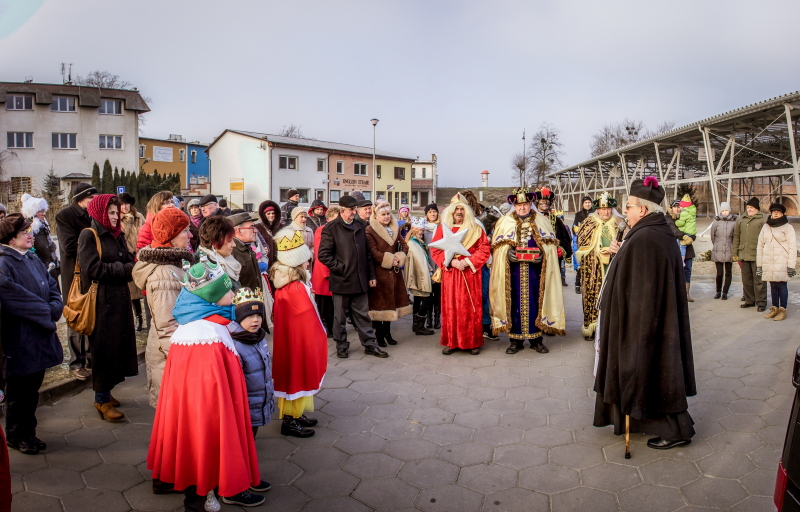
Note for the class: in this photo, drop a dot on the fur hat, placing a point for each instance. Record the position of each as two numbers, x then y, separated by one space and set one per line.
167 224
754 202
207 280
648 189
11 226
126 198
193 202
686 201
292 249
248 303
430 207
82 191
32 205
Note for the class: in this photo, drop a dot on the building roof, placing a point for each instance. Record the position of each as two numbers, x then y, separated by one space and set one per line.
335 147
174 141
77 176
87 96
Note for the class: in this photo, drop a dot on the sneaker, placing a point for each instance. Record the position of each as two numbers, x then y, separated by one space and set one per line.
244 499
489 336
261 487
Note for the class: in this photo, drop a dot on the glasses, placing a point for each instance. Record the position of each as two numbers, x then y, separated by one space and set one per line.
629 206
243 228
28 230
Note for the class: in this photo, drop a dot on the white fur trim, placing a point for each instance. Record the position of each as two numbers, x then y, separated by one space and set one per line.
32 205
299 394
203 332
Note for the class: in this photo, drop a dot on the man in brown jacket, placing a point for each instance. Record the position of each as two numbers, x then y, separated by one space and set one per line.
745 247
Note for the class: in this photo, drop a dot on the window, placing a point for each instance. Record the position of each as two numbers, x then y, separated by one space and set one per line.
63 104
319 195
21 185
335 195
304 194
181 155
20 139
110 142
320 165
377 171
339 168
65 141
111 107
360 169
142 147
194 156
19 102
414 198
399 173
381 195
287 163
423 172
413 173
403 197
367 195
248 207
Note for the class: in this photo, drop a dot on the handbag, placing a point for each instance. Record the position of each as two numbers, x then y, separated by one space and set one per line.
79 310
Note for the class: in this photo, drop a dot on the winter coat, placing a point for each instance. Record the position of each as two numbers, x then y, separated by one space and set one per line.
418 270
344 250
777 251
30 306
286 212
312 221
257 370
687 222
745 236
154 274
678 234
145 235
113 341
250 275
320 274
722 238
580 216
389 299
69 223
44 246
268 229
131 224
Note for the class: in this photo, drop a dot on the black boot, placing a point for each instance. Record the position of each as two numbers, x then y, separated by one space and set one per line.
564 281
419 326
538 346
378 328
515 346
387 333
437 316
137 310
290 427
429 318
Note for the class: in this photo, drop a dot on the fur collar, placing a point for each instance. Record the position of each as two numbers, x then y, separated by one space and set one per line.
165 256
380 229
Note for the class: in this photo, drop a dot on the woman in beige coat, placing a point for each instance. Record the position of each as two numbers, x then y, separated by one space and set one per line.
132 221
776 258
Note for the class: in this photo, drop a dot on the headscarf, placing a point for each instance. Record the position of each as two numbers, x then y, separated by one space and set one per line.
98 210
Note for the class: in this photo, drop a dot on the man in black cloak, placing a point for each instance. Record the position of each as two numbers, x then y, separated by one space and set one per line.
645 368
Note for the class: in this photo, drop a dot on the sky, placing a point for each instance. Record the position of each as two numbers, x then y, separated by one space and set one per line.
460 79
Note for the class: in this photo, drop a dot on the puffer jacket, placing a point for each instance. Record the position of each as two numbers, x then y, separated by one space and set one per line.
257 369
145 236
314 222
745 236
687 222
722 238
153 273
777 252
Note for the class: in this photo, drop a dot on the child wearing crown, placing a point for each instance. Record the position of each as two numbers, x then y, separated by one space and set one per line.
300 345
202 437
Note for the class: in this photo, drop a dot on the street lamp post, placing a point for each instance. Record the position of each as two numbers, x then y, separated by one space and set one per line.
374 171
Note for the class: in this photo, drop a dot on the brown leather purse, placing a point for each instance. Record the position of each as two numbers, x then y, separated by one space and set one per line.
79 310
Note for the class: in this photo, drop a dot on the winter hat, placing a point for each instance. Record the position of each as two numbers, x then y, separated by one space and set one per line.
505 208
193 202
249 303
292 249
223 203
648 189
686 201
585 198
777 207
167 224
674 203
291 193
126 198
208 198
297 211
406 208
82 191
32 205
98 210
206 280
3 208
754 202
724 207
11 225
240 218
358 196
430 207
348 202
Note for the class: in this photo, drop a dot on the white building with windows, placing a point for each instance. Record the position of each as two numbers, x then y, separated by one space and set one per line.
67 128
423 182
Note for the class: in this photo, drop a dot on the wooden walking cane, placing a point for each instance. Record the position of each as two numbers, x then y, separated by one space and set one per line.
627 437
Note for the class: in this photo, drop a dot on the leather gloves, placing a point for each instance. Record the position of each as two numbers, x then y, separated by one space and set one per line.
759 271
792 272
512 255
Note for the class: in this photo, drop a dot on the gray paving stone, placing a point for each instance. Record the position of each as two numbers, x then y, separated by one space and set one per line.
95 499
323 457
526 393
372 465
487 478
360 443
466 454
576 456
376 398
760 482
22 464
368 386
497 436
672 473
114 477
516 500
337 504
570 420
755 504
387 412
326 483
337 409
322 437
714 492
651 498
477 419
73 458
411 449
124 452
503 405
547 406
398 429
431 416
610 477
274 448
548 478
53 481
582 499
735 442
726 465
86 438
352 425
279 472
547 437
460 404
387 492
486 393
416 401
447 434
338 394
281 498
429 473
32 502
448 499
520 456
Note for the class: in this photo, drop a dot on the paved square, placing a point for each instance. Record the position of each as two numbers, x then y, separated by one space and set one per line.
463 433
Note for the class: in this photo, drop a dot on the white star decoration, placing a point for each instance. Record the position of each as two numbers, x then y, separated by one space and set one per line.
450 243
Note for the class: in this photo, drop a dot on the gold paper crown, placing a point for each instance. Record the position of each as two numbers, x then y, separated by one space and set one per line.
287 245
247 295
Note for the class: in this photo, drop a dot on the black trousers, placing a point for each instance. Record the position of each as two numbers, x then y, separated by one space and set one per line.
78 350
723 268
22 398
358 304
325 308
422 305
193 502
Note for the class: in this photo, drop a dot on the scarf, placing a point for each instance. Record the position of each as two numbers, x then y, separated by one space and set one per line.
98 210
249 338
196 220
189 308
780 221
228 263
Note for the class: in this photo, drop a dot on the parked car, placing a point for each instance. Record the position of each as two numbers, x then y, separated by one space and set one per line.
787 486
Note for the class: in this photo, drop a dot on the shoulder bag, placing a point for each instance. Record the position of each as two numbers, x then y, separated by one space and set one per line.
79 310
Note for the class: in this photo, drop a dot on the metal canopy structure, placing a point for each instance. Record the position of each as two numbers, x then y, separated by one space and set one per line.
750 151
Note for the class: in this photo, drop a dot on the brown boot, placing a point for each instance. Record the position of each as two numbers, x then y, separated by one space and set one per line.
688 297
108 412
773 311
114 401
781 315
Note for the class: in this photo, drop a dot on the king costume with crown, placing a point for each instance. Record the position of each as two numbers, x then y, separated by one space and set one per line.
202 434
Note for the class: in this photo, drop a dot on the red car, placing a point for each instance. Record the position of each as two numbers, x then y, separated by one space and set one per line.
787 486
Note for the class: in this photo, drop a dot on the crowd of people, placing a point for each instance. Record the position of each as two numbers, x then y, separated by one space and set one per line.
211 286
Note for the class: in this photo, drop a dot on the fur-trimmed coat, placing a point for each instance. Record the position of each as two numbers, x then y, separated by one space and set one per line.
388 301
154 274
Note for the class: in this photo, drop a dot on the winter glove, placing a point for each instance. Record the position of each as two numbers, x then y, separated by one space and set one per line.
735 258
262 267
686 240
759 271
512 255
792 272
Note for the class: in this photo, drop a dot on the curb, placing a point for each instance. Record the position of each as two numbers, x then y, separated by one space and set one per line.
72 386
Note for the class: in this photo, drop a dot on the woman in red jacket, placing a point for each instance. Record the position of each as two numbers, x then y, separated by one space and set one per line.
319 278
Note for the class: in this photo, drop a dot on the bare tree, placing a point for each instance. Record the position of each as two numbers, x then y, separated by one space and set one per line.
545 155
292 130
102 79
519 163
628 131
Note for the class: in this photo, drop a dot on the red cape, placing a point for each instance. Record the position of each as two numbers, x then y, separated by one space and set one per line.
320 276
5 476
462 296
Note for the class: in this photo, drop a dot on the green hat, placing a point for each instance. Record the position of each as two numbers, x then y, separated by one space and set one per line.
206 280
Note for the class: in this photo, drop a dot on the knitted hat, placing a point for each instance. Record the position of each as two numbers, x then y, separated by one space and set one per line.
11 226
754 202
249 303
297 211
292 249
291 193
406 208
32 205
223 203
430 207
167 224
193 202
126 198
208 198
648 189
686 201
674 203
82 191
724 207
777 207
206 280
98 210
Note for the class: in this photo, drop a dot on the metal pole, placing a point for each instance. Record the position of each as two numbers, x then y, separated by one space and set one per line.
525 161
793 146
374 172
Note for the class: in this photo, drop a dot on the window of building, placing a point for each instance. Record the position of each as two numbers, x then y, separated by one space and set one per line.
413 173
339 168
287 163
21 185
181 155
248 207
423 172
19 102
65 141
335 195
113 107
320 165
399 173
381 195
377 171
142 148
360 169
194 156
319 195
414 198
111 142
63 104
20 140
367 195
304 192
403 197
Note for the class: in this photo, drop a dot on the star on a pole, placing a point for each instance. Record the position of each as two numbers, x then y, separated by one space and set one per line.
451 243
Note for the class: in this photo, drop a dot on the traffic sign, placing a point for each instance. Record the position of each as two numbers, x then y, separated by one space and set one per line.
120 190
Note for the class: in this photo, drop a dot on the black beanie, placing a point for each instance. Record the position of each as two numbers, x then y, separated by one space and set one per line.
250 308
754 202
430 207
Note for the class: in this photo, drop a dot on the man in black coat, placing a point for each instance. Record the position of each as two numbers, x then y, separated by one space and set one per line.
209 207
286 210
343 249
244 235
645 368
69 223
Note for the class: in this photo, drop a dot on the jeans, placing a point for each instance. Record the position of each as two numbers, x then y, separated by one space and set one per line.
102 397
723 269
687 269
683 250
563 268
780 293
22 398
